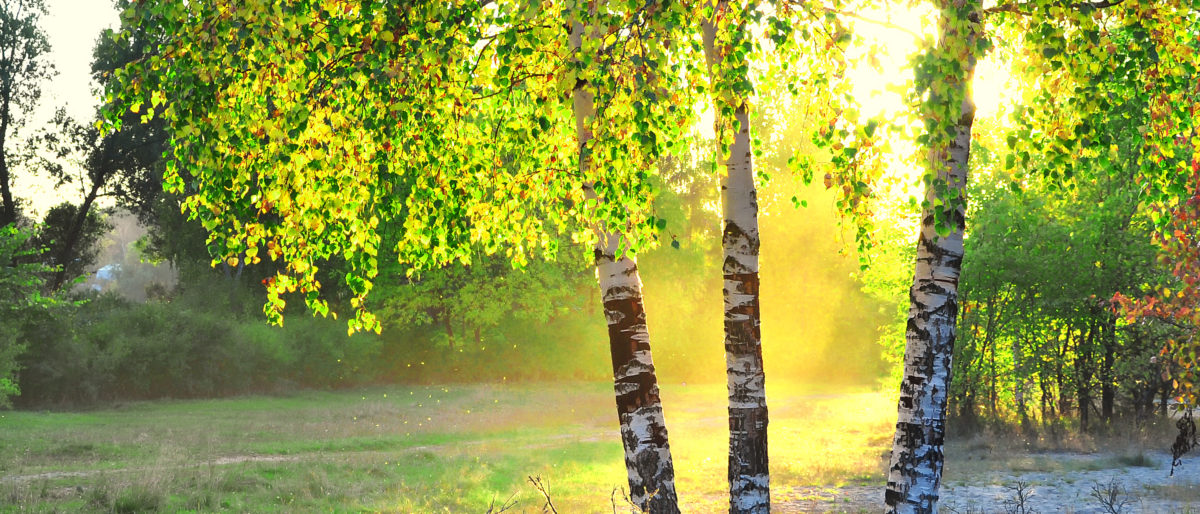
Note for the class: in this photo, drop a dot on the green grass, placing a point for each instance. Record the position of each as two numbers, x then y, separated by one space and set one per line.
415 449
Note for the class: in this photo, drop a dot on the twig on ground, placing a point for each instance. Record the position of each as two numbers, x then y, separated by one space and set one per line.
633 506
507 504
1112 496
1022 492
544 488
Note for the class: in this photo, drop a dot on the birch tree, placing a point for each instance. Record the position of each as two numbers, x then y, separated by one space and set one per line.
944 74
323 120
803 46
724 38
648 460
1069 47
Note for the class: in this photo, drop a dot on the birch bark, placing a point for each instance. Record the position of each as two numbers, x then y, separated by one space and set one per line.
648 461
749 476
915 471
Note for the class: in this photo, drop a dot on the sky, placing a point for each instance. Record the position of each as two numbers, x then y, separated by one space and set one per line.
72 27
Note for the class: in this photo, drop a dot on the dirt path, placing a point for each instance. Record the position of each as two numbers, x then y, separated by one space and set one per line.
1130 489
1127 489
222 461
548 441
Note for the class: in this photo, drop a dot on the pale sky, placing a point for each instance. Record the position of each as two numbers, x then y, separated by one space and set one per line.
72 26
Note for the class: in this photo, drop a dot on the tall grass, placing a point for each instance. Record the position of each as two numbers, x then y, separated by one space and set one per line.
415 449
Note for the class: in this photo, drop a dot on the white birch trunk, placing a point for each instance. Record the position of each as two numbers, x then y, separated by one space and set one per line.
648 463
915 472
749 476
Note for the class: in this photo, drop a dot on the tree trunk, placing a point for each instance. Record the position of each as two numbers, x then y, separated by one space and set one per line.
992 381
1047 407
749 475
449 329
1083 375
648 461
8 206
1164 396
915 471
1059 374
1020 381
990 343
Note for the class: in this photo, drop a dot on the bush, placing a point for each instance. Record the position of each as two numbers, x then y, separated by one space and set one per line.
21 281
109 349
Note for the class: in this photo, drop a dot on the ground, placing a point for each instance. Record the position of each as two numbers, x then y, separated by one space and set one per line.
468 448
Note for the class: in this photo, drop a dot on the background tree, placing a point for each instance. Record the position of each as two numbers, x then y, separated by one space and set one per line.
23 68
1128 102
1039 342
71 241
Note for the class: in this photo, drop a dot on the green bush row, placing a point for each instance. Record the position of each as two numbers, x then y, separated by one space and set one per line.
211 341
111 349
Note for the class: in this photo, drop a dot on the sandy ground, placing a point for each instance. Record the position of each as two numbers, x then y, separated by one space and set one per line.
1135 489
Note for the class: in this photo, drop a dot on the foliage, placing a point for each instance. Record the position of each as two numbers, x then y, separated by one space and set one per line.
1047 253
21 282
1037 327
137 181
338 90
1117 94
459 143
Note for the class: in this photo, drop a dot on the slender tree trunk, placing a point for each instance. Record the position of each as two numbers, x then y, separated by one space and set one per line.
639 408
749 475
449 329
1164 395
966 400
1107 389
8 209
1019 382
1083 375
1059 374
915 471
992 380
990 344
1045 397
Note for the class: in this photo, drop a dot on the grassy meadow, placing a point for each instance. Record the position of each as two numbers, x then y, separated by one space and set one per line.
454 448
